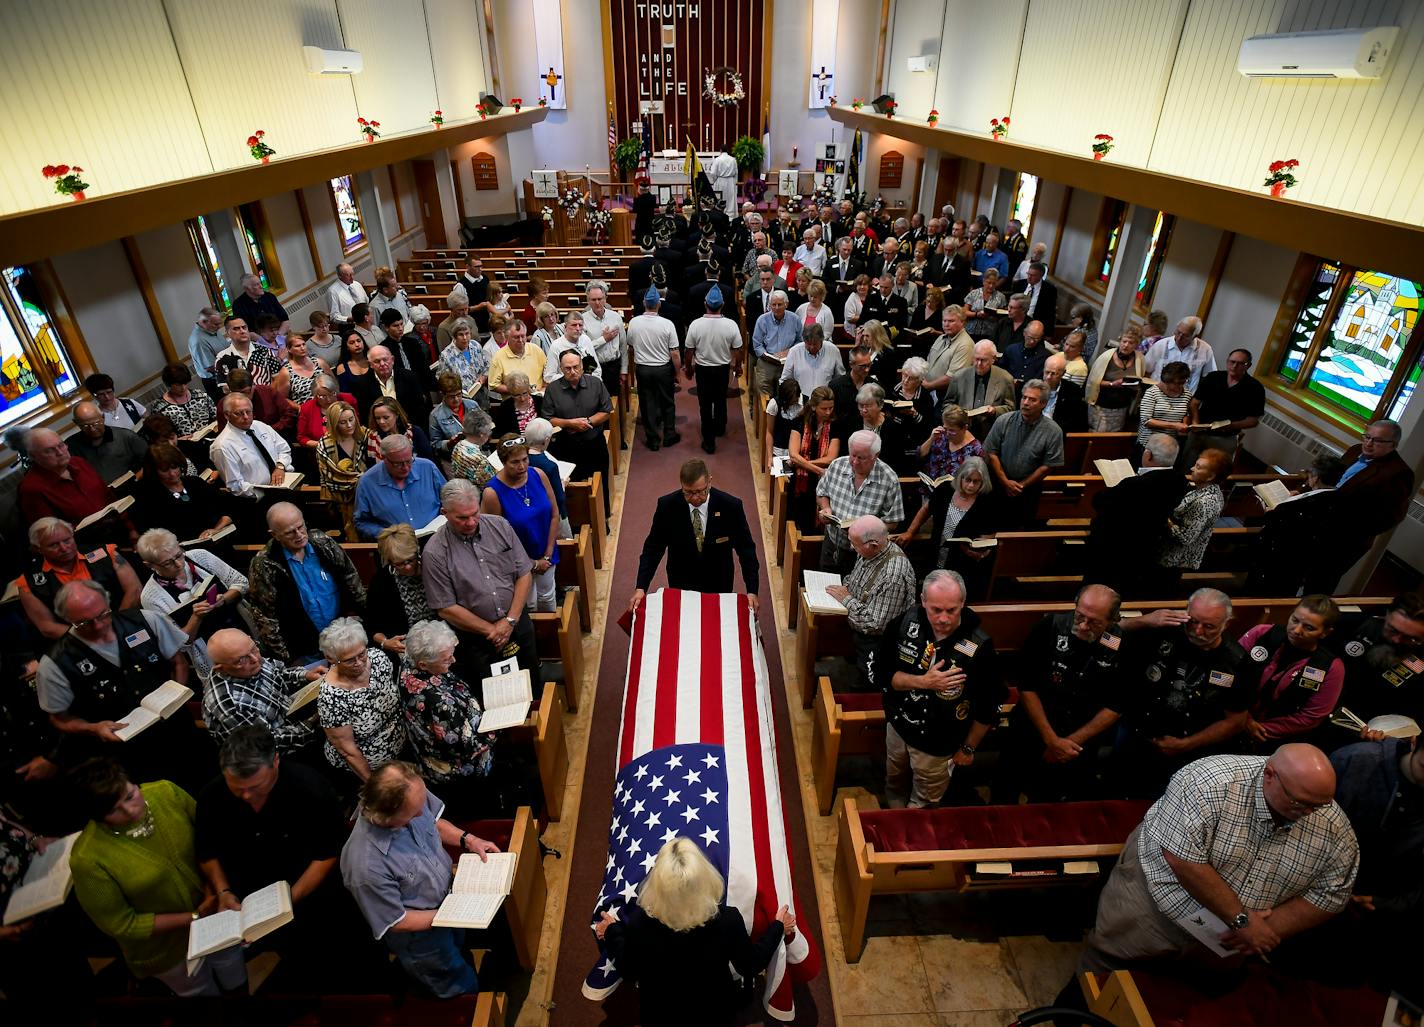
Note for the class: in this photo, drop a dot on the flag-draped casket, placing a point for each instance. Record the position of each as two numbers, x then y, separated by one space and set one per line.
697 757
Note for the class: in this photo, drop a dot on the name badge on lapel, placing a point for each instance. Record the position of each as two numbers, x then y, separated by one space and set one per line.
723 540
141 635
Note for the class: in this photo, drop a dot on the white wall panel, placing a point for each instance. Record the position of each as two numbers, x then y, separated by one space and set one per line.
455 28
915 27
975 79
397 87
97 85
265 85
173 270
111 314
1190 253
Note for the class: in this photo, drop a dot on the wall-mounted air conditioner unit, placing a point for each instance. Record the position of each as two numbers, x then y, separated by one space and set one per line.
332 62
1343 53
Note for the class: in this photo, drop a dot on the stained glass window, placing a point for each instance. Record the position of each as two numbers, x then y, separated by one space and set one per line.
348 213
207 256
257 242
1115 212
1352 360
1025 200
1100 265
31 352
1155 258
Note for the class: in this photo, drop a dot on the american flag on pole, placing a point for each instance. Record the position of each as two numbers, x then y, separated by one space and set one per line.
612 136
697 758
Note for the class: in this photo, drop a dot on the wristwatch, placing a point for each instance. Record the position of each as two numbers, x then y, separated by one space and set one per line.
464 835
968 750
1240 921
512 621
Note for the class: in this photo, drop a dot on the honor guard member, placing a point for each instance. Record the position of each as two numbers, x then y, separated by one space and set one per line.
1192 689
1384 666
1071 692
100 671
941 685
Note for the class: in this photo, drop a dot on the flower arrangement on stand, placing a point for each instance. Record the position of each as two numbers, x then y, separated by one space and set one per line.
933 119
599 220
259 150
1102 145
732 96
368 129
824 197
998 128
571 201
877 205
857 104
516 103
437 119
66 180
1280 178
547 213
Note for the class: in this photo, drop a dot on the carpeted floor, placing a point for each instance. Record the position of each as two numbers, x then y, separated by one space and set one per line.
651 475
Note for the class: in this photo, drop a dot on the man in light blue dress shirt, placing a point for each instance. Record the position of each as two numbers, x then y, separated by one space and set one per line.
402 489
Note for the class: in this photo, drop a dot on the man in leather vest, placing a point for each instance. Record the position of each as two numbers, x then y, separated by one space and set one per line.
58 561
100 671
1072 690
1191 692
1384 666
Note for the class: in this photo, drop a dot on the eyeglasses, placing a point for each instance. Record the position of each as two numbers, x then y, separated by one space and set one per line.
352 661
93 620
168 561
1367 437
1299 804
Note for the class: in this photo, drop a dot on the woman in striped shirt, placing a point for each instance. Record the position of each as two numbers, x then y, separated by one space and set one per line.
1164 408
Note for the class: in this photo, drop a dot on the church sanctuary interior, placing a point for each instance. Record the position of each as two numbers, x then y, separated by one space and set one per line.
712 512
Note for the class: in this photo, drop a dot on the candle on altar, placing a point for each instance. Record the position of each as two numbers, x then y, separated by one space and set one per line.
793 152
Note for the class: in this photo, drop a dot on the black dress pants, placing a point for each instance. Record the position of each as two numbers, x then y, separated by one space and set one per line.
712 400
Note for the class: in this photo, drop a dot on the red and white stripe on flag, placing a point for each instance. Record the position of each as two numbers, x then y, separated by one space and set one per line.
697 673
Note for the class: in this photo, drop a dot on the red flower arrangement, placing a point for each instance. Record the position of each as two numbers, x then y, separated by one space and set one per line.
437 119
368 129
66 180
259 150
1102 145
998 128
543 101
1281 178
480 110
933 119
890 106
857 104
516 103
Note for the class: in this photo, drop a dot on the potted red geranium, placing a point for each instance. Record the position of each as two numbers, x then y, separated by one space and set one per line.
66 180
368 129
480 110
933 119
998 128
516 103
437 119
259 150
1280 178
1102 145
890 106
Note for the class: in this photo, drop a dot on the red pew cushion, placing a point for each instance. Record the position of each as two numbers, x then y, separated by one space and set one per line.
860 702
1258 995
1002 827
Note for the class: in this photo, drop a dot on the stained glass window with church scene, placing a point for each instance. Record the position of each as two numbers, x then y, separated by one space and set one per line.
31 353
348 213
1351 361
1025 199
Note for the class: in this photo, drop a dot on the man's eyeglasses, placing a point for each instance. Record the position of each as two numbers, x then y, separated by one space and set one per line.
1367 437
1299 804
92 620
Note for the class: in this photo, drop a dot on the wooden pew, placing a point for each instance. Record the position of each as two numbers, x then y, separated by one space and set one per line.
838 731
557 637
863 870
1080 449
1115 998
544 733
584 500
575 570
802 552
491 1009
612 436
524 906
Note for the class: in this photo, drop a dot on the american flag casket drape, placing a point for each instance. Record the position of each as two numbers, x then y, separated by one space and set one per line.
697 757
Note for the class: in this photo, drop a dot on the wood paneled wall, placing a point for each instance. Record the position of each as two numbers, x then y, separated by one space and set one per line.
730 33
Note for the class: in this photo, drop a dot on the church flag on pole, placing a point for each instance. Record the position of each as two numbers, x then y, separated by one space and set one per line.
696 177
853 168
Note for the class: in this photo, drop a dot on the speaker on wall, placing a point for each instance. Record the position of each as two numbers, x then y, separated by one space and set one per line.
492 103
878 104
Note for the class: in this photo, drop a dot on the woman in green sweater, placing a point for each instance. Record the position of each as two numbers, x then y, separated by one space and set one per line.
136 876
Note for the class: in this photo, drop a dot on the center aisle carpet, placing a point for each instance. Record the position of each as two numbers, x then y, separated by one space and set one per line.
652 475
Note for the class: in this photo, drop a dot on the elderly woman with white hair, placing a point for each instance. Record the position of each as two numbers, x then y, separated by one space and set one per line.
680 942
468 459
917 419
441 712
522 404
358 702
466 359
458 303
537 434
177 576
870 416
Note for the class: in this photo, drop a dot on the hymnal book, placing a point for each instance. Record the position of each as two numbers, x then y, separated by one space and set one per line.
180 613
204 432
46 883
1272 493
507 698
117 506
431 528
1130 379
302 696
845 522
472 391
290 480
161 703
12 591
262 912
780 467
817 598
1114 471
901 404
1207 928
934 483
122 480
975 543
566 469
1391 725
198 543
978 411
1212 426
479 890
209 476
1081 866
993 868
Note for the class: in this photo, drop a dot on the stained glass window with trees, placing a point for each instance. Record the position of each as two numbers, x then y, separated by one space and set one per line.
34 368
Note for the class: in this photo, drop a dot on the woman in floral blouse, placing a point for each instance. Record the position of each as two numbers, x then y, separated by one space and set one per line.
441 714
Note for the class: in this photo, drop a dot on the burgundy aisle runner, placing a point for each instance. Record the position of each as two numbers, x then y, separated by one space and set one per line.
650 476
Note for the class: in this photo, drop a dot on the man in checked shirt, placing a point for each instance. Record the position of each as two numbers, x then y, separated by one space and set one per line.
1256 841
879 589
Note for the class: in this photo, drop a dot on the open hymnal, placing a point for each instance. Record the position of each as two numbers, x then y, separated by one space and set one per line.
1114 471
303 696
431 528
161 703
566 469
977 411
934 483
900 404
1391 725
262 912
180 613
46 883
479 890
1130 379
290 480
117 506
507 698
817 598
198 543
204 431
780 467
122 480
1210 426
1272 493
1206 927
975 543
